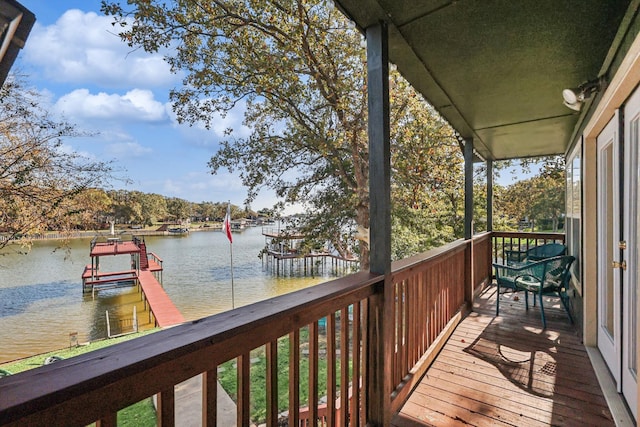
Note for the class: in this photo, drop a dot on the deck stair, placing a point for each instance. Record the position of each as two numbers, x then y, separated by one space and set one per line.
144 258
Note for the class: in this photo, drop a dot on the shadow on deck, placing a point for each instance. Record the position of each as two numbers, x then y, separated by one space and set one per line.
507 370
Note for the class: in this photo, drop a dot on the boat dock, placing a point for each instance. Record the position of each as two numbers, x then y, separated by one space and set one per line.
146 271
284 255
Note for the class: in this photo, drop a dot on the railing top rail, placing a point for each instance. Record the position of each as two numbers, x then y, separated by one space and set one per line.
172 355
407 263
483 235
531 235
154 255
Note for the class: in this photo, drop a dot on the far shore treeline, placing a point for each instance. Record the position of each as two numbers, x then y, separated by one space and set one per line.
96 208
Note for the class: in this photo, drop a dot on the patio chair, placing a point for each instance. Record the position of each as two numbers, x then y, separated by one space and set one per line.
549 276
537 253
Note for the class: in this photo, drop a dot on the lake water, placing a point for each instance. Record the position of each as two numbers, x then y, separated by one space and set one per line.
41 299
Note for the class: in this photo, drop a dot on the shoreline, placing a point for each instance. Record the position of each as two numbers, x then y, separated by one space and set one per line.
58 235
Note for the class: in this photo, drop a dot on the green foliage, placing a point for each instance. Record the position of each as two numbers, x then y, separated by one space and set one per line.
417 230
38 180
299 69
541 197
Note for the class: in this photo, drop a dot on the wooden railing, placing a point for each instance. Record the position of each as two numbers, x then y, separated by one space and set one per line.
520 241
325 325
155 257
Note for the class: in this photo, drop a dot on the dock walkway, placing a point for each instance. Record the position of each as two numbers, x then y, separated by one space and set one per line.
160 305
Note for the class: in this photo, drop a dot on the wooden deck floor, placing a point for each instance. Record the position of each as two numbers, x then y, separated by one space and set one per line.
507 371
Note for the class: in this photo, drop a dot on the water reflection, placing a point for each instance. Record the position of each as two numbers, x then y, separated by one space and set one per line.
41 299
14 301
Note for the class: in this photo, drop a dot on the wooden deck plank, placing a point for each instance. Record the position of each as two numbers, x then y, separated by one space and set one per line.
502 392
507 370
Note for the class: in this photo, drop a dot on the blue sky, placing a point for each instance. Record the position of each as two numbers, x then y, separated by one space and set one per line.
92 79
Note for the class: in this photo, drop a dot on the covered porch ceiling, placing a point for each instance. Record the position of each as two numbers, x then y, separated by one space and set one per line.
495 69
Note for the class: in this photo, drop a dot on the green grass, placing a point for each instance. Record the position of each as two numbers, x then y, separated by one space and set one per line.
35 361
227 376
142 414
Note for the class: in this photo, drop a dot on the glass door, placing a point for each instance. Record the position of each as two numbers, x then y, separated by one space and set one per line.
631 236
609 339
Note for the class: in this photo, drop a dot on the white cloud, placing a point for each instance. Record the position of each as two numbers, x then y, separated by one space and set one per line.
199 135
82 48
127 149
232 119
171 187
136 105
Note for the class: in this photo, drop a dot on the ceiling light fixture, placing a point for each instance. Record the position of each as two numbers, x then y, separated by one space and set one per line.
575 97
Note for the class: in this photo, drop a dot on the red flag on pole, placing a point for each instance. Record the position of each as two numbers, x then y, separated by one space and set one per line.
226 225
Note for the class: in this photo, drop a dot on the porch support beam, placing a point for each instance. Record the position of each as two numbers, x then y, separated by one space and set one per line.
468 221
468 188
378 400
489 195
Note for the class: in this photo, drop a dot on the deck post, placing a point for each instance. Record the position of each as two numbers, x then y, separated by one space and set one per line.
468 220
489 195
379 345
468 188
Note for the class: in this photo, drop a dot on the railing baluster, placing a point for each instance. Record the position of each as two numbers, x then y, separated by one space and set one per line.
364 403
110 420
166 408
409 339
272 382
244 380
396 333
344 366
431 278
313 372
210 398
406 342
421 305
331 369
294 378
356 375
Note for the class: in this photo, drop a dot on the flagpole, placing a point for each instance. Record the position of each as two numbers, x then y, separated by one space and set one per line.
233 303
227 226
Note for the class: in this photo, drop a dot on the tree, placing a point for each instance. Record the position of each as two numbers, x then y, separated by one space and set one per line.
299 68
179 209
207 211
91 208
539 198
39 178
154 208
427 177
126 206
